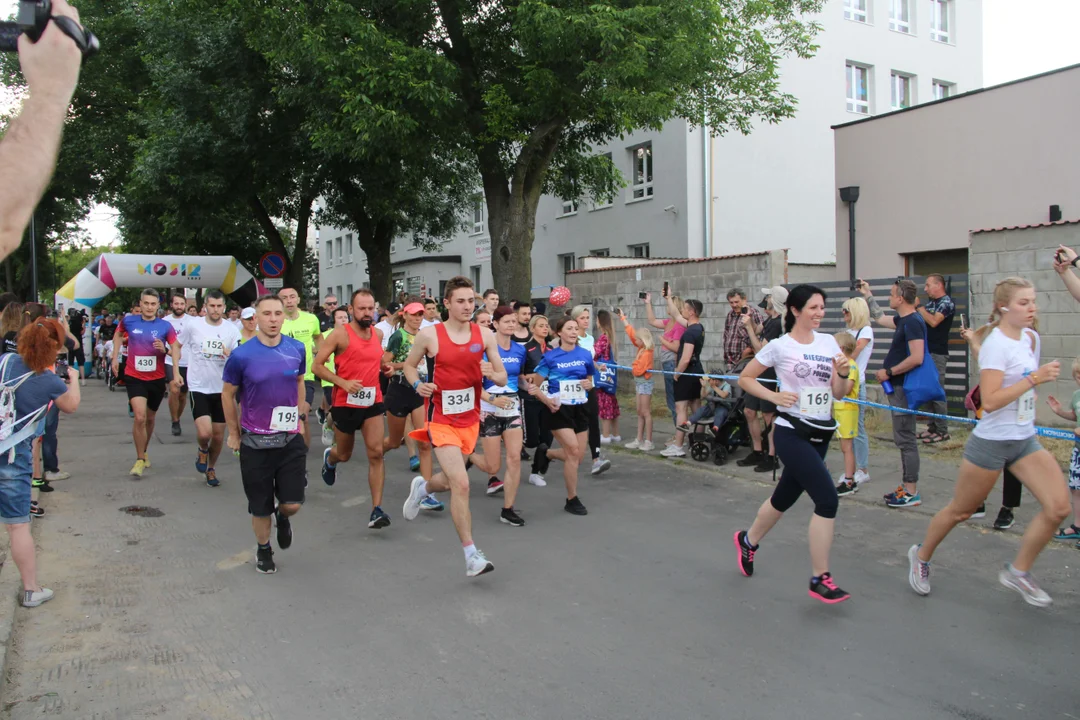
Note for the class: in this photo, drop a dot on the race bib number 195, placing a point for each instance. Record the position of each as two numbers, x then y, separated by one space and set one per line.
285 418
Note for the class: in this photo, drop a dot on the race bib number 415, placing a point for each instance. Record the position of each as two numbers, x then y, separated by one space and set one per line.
145 363
571 393
285 418
455 402
815 401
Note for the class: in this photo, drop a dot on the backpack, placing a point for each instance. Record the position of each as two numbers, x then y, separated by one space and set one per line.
10 436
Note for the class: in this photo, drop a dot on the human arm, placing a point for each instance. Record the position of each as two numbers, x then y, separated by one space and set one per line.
174 353
423 340
876 313
1065 270
301 396
1069 414
932 319
842 380
912 361
748 381
232 415
68 402
493 369
673 312
860 345
994 396
651 315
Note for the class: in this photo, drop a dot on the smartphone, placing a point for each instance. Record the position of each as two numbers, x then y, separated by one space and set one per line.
744 311
666 288
1061 256
963 324
617 311
899 278
642 295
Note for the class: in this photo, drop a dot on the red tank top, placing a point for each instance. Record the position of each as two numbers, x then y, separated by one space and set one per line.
457 375
361 360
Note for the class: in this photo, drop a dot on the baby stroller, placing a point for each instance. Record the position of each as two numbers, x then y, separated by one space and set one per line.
720 441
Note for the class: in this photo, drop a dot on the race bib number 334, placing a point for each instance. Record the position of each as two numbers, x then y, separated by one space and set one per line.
455 402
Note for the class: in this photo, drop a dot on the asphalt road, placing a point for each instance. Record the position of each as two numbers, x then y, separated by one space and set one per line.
635 611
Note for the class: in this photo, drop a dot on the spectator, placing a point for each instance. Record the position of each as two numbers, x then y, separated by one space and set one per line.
938 315
605 350
325 316
673 328
431 313
234 317
737 347
857 318
491 300
760 459
687 387
905 353
388 324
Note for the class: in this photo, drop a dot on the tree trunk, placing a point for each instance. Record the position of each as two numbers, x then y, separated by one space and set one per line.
294 273
376 246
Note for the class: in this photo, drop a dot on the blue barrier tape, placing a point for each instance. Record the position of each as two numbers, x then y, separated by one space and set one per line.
697 375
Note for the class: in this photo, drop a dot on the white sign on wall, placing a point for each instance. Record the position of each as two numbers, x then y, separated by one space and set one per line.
482 249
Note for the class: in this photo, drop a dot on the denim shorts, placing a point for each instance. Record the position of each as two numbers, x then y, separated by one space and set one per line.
643 387
15 486
998 454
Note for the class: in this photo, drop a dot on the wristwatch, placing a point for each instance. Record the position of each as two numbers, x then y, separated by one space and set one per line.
888 372
1075 260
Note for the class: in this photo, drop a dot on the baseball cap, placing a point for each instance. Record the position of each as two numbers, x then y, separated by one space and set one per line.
247 313
393 308
413 308
778 296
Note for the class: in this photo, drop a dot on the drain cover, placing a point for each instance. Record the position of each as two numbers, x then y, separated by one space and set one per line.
142 511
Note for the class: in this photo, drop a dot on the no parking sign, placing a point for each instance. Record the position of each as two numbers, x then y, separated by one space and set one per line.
272 265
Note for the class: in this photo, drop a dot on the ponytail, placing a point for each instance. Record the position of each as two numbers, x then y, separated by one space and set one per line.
789 320
39 343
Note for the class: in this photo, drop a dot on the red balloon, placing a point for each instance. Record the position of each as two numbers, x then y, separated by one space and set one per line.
559 296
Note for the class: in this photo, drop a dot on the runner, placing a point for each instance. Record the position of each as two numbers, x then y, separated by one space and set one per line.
454 349
266 375
248 325
1005 436
212 340
538 435
339 318
523 311
144 374
500 416
357 397
302 326
402 402
103 348
234 317
812 372
431 313
178 397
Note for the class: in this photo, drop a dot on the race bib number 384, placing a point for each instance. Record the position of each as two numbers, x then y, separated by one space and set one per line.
364 397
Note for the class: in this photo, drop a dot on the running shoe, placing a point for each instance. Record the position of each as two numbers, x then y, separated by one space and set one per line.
537 480
321 415
746 553
902 500
1025 585
847 487
477 564
750 460
378 519
327 436
264 561
495 485
414 463
980 512
861 476
673 451
412 503
541 462
176 428
138 468
616 439
284 530
202 460
770 463
600 465
58 475
1005 519
43 485
432 504
511 518
632 445
605 440
33 598
826 591
36 510
647 446
329 472
211 478
574 506
918 571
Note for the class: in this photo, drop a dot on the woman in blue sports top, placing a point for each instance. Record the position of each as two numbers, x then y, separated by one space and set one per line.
569 371
500 415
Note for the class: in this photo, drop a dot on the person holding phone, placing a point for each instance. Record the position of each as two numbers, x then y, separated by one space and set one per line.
938 314
738 351
674 327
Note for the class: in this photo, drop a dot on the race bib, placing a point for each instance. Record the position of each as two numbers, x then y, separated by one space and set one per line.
364 397
145 363
512 411
285 418
1025 408
544 387
455 402
815 401
213 347
571 393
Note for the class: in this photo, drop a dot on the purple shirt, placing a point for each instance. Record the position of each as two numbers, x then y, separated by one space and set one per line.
144 361
266 378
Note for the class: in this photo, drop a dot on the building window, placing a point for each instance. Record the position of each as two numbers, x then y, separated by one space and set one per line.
342 300
601 252
566 262
641 172
943 89
478 215
858 89
393 246
940 25
639 251
348 243
442 290
339 295
902 90
855 10
569 207
330 291
900 15
329 253
474 275
337 250
604 201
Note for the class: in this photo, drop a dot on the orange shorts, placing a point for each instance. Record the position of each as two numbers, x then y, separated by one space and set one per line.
440 435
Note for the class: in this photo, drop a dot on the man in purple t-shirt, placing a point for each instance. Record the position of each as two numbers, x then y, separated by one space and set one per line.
266 376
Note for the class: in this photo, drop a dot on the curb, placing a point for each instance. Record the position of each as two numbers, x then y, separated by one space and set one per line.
10 584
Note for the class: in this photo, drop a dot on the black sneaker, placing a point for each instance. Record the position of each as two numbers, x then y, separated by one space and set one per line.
525 454
770 463
36 510
264 561
746 553
495 485
43 485
510 517
176 428
847 487
541 462
378 519
981 512
751 460
826 590
574 506
284 531
1004 520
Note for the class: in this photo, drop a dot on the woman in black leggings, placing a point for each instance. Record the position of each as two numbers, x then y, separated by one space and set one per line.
812 373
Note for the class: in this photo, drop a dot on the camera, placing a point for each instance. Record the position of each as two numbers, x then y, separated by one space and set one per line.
32 18
744 311
642 295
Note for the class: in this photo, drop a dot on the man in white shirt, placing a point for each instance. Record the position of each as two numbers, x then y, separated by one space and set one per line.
178 318
208 341
386 325
431 314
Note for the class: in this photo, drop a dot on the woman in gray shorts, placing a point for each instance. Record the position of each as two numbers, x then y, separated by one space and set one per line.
1009 372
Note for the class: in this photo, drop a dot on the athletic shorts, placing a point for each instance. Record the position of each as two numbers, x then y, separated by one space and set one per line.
152 390
847 422
643 387
1074 470
15 488
998 454
687 389
203 404
571 417
401 399
76 358
310 387
280 473
328 394
756 403
350 419
493 426
183 374
440 435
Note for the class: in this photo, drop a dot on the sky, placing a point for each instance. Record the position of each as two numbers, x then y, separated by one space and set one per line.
1020 38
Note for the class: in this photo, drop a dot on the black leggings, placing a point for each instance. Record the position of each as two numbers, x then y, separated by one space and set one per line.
1011 491
594 423
804 469
537 424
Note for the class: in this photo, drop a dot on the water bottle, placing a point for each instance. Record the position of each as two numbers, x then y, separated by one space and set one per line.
887 387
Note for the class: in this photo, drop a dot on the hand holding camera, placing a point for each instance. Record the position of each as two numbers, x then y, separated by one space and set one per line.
43 51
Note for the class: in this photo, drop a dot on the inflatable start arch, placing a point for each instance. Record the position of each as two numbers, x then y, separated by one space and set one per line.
109 271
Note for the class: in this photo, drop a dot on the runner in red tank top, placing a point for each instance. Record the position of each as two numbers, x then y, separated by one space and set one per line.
453 412
357 397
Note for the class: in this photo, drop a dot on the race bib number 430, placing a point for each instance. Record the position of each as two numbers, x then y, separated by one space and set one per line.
145 363
455 402
364 397
285 418
815 401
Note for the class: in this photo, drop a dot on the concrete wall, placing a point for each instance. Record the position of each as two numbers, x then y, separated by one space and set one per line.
707 280
931 175
996 255
810 273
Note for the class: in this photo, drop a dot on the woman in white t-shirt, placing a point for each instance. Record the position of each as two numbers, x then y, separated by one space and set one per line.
1009 372
812 373
857 317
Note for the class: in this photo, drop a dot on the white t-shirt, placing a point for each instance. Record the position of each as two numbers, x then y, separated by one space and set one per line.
206 346
178 325
387 330
864 356
802 368
1016 359
428 323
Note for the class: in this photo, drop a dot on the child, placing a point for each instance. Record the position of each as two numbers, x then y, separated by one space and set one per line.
643 384
1073 531
847 417
714 393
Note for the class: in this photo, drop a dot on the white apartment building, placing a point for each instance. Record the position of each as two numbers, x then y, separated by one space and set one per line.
689 195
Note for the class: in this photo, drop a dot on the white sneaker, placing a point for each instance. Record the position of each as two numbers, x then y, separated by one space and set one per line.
327 436
1025 585
478 564
537 480
600 465
58 475
632 445
647 446
33 598
605 440
616 438
918 572
412 503
861 476
673 451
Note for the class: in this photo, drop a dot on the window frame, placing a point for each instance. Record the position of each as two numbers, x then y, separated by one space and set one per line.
599 203
941 9
909 84
329 254
637 248
479 210
600 252
948 88
563 258
646 187
337 249
853 103
904 27
852 13
349 244
569 207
